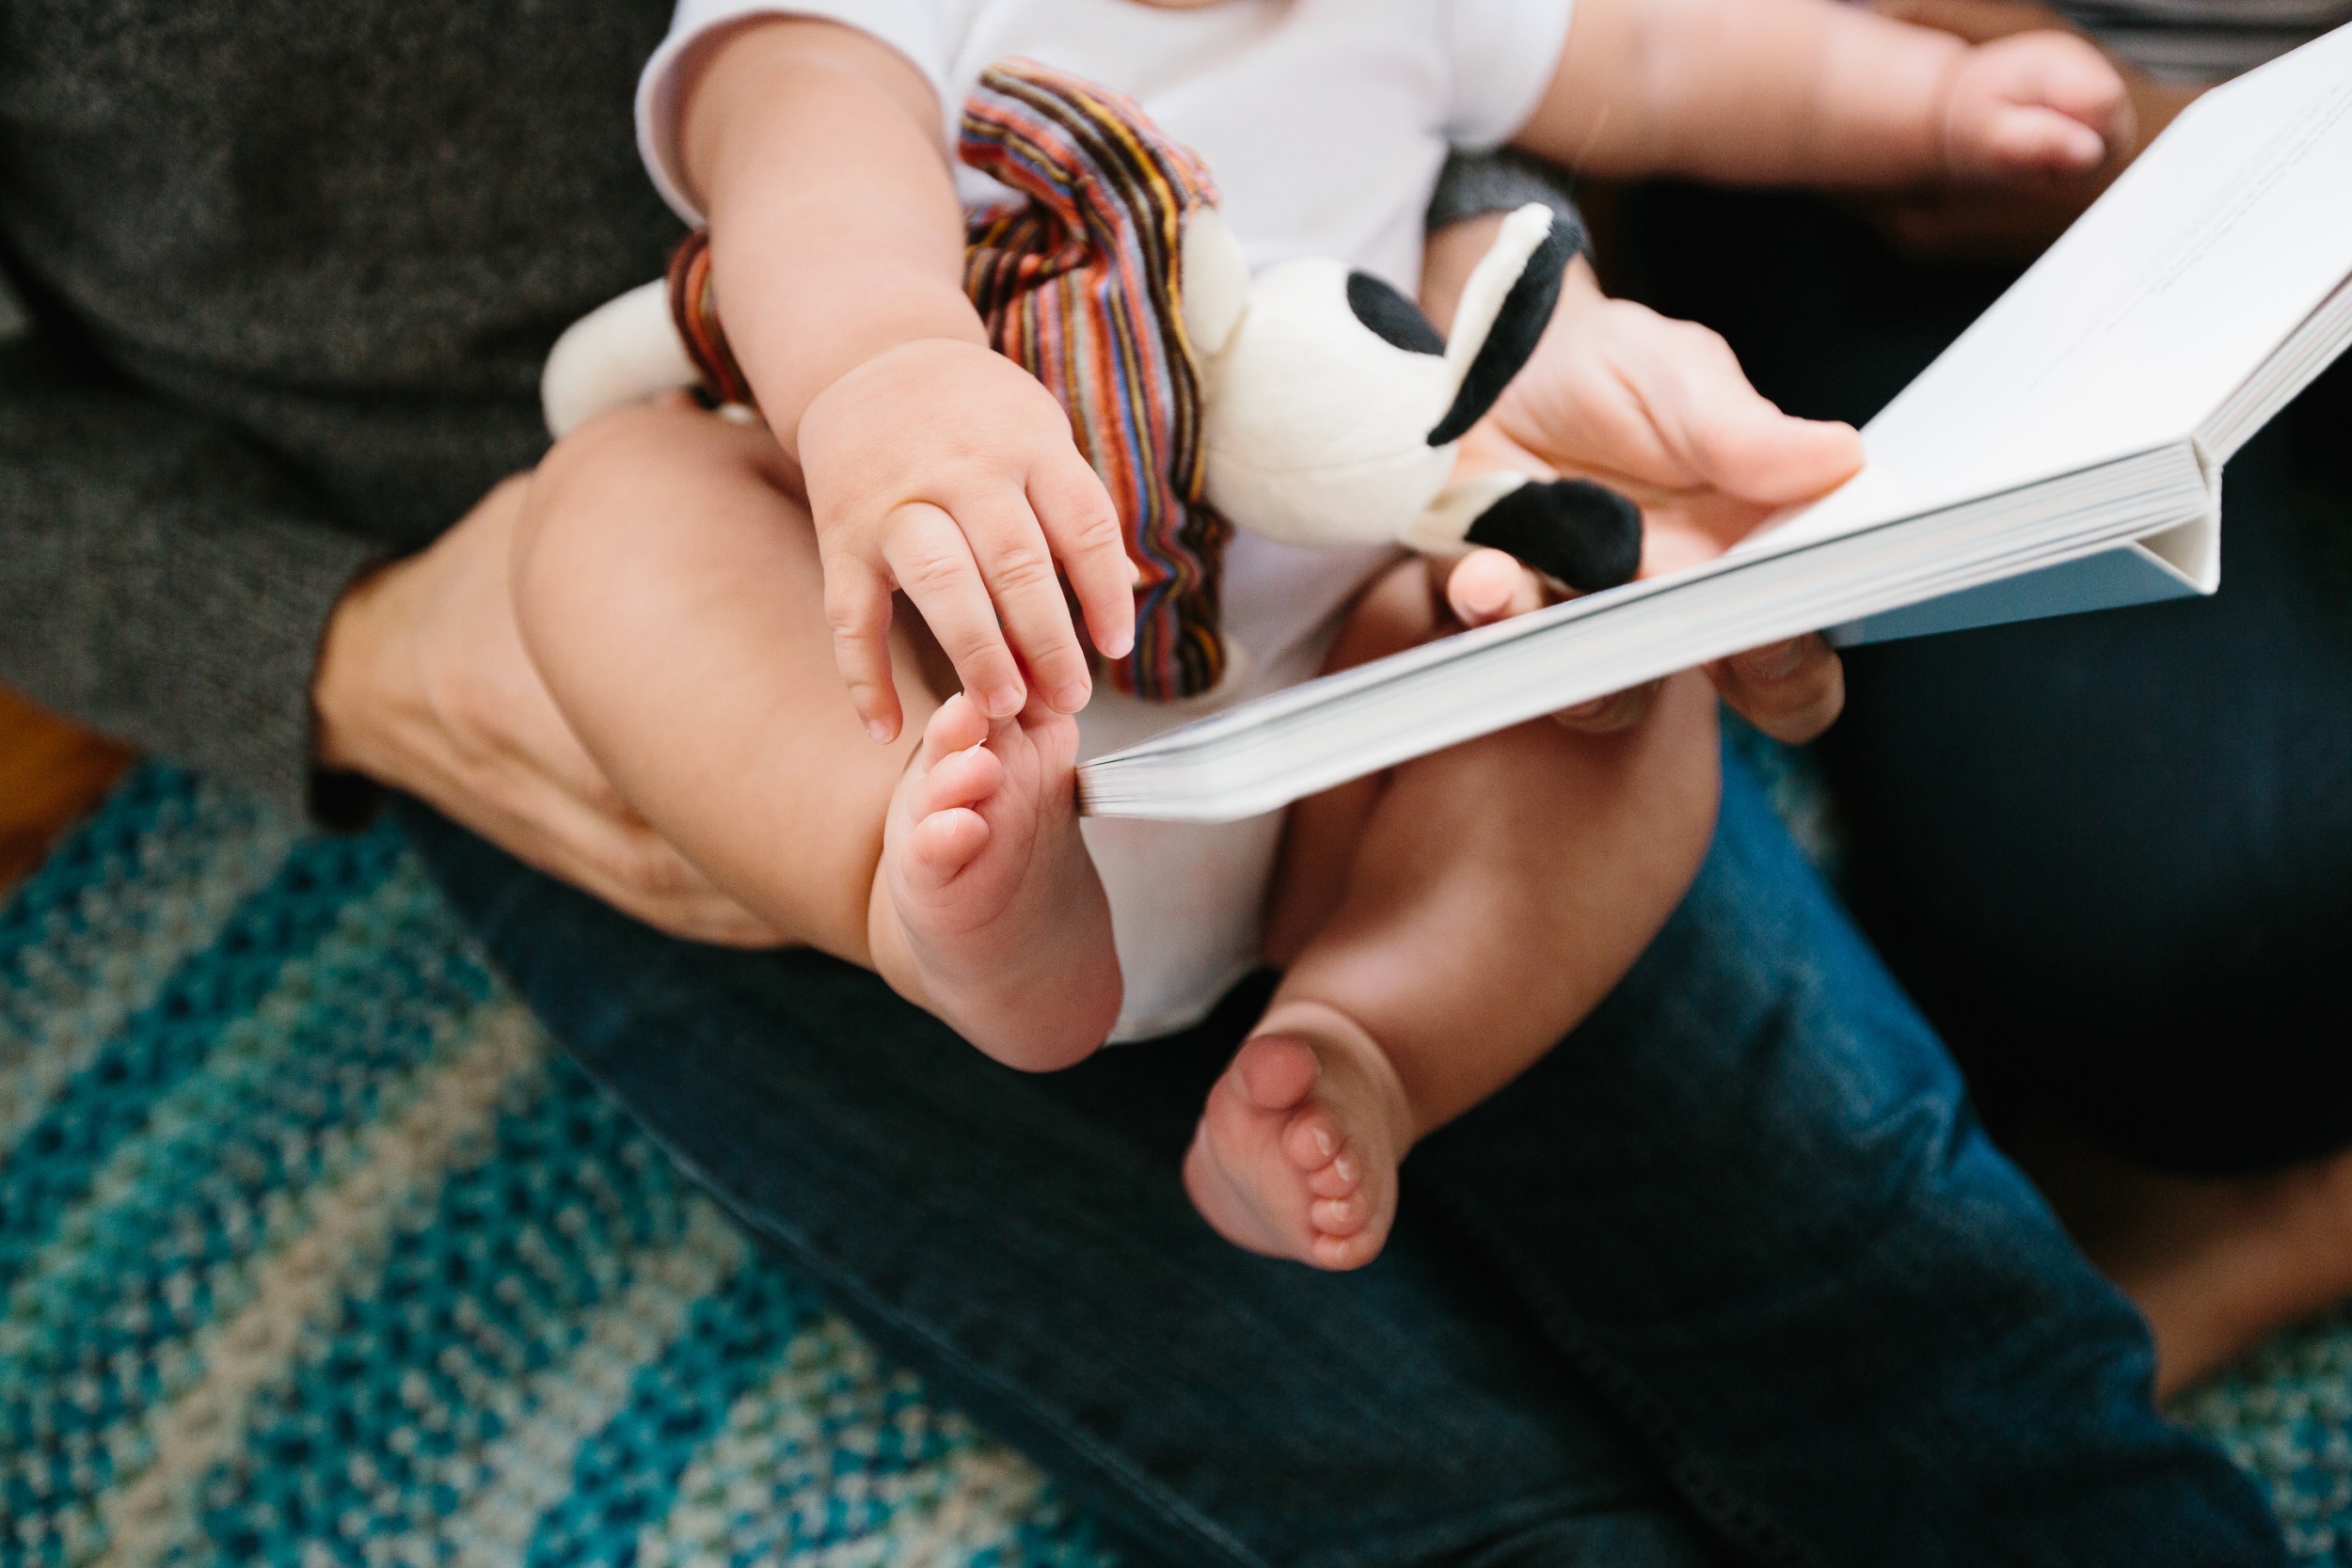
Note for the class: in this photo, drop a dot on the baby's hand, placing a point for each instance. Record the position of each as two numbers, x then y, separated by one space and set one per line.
2042 102
943 470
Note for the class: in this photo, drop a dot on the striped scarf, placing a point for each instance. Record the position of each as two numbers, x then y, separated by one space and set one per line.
1078 285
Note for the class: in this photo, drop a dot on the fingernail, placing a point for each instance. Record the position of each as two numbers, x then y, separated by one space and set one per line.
1119 646
1003 703
881 730
1587 710
1070 697
1323 1143
1774 663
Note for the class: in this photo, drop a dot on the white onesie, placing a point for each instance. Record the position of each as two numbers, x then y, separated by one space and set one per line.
1324 123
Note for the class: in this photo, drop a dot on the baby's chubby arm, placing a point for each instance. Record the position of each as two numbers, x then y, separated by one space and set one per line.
933 466
1818 93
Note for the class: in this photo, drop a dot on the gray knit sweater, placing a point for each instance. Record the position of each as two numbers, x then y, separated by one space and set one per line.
279 278
282 273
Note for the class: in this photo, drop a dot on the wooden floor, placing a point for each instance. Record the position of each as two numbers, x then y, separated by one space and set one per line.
51 774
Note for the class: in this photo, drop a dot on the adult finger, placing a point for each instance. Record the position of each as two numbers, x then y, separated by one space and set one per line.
1619 710
857 607
1735 440
931 559
1791 690
1082 525
1017 565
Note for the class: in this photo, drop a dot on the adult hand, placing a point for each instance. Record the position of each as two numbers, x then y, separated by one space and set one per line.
1964 221
423 684
1660 410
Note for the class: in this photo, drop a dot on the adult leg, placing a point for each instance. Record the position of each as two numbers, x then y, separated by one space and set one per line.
1023 1241
1748 1198
1814 1329
2111 854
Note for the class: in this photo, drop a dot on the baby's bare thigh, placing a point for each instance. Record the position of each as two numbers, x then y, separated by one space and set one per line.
670 589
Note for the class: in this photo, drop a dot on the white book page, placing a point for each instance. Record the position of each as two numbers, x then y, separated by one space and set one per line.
2151 313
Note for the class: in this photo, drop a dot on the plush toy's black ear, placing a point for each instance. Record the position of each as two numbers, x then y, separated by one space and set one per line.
1526 311
1585 535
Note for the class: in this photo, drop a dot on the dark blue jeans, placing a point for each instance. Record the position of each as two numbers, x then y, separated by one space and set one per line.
1732 1276
2111 854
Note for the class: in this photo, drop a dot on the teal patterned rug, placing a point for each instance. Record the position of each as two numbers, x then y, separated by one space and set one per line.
313 1253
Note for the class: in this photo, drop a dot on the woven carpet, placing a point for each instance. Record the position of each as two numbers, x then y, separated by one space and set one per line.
313 1252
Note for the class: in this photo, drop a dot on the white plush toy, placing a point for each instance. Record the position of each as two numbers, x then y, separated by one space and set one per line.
1333 405
1329 406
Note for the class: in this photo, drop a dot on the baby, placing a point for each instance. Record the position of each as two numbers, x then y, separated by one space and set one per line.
899 790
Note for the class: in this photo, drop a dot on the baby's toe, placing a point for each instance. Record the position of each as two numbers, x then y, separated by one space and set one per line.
1313 1142
1342 1253
1338 1216
957 726
1341 1176
963 778
1276 1073
943 844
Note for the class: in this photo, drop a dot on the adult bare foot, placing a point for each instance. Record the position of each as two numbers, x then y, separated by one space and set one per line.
2214 1265
1297 1148
988 910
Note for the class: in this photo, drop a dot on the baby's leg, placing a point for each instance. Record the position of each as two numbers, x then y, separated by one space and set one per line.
1444 927
669 587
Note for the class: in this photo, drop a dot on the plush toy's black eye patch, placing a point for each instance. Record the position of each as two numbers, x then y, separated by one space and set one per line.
1396 320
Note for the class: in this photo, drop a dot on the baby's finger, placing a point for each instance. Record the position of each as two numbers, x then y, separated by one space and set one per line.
857 607
1487 585
933 561
2028 137
1014 560
2070 75
1082 525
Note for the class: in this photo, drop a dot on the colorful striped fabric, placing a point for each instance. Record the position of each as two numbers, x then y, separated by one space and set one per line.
694 311
312 1252
1080 286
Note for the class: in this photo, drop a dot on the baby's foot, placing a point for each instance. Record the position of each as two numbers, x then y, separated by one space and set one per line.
1297 1147
989 911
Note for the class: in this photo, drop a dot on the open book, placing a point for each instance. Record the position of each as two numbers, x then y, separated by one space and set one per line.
2064 454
